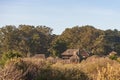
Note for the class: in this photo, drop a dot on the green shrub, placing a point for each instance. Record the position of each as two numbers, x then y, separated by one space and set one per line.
9 55
113 57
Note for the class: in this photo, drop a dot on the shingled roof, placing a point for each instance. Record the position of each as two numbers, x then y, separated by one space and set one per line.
39 56
70 52
113 53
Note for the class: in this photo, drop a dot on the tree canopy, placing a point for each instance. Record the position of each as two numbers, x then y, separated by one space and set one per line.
25 38
88 38
30 40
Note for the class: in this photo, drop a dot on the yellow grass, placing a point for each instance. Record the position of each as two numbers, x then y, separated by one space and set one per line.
93 68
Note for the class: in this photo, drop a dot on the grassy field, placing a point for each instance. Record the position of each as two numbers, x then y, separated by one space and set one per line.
93 68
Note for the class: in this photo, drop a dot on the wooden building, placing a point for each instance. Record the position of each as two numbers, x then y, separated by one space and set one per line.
74 55
69 53
112 53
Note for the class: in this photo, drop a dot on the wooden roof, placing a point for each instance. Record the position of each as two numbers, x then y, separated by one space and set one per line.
70 52
113 53
39 56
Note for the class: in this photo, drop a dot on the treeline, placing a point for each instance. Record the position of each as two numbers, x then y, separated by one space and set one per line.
95 41
30 40
26 39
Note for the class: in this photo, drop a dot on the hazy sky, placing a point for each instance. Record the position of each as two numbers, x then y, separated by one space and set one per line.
60 14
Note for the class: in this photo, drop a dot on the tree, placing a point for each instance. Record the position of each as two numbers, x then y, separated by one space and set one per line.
79 37
26 39
57 47
35 40
9 38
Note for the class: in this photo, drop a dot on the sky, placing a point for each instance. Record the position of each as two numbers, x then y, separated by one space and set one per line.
61 14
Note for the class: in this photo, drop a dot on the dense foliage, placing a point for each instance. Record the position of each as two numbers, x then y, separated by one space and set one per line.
94 41
8 56
27 39
30 40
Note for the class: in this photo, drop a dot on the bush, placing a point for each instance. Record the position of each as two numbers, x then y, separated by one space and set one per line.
36 69
113 57
22 69
93 68
61 71
9 55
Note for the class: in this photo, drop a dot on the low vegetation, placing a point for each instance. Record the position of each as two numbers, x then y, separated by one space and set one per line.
19 44
9 55
93 68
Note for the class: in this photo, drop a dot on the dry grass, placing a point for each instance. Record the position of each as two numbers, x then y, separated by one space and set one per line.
22 69
93 68
111 72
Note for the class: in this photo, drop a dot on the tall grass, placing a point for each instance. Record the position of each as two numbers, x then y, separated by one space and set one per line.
93 68
111 72
102 68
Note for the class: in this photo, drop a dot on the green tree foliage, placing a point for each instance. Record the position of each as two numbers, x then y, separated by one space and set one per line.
30 40
27 39
9 55
79 37
113 39
9 37
57 47
90 39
